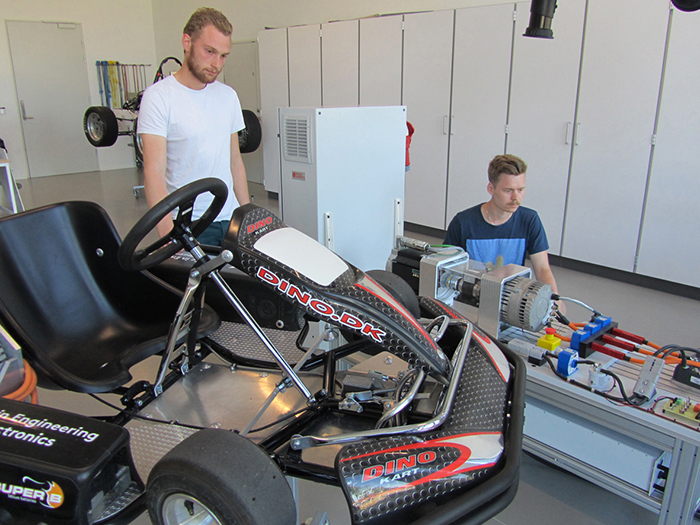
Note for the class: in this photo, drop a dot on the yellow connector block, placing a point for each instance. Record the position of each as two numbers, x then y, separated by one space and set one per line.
550 341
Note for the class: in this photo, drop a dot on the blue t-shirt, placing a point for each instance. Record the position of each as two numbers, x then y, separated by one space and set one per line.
498 245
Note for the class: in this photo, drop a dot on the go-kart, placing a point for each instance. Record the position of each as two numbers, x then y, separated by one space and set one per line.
102 125
354 381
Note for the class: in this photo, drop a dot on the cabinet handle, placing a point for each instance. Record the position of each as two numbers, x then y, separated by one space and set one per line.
445 126
577 134
24 111
567 138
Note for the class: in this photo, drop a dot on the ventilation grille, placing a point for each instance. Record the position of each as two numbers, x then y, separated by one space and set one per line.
296 138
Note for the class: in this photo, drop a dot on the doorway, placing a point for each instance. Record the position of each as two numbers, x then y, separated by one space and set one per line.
51 78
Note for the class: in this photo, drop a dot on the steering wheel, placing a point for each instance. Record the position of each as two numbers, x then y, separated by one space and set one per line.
183 200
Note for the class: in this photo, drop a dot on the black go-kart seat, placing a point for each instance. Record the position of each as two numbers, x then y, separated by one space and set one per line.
80 318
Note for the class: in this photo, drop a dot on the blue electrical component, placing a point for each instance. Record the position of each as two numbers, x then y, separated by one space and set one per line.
577 337
567 362
582 339
603 321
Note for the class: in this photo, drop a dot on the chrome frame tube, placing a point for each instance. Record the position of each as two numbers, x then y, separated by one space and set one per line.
310 351
299 442
241 309
281 387
175 329
403 403
278 389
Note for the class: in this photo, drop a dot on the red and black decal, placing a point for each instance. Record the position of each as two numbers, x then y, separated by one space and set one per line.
319 306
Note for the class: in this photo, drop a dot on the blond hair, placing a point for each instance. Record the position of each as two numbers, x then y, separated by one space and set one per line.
205 16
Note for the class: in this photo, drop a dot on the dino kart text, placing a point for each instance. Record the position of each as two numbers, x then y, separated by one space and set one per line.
400 401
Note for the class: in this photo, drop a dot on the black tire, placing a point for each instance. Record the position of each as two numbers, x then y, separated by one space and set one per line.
398 288
249 138
132 258
220 475
100 126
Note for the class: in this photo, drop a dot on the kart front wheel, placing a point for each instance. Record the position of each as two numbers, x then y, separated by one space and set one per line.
218 477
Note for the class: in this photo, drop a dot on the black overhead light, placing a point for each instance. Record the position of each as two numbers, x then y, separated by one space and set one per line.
687 5
541 15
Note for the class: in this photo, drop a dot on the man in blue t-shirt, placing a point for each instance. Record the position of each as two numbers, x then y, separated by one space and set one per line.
500 231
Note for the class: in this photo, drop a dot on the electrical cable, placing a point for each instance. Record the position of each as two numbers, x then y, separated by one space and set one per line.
557 297
563 319
28 387
622 400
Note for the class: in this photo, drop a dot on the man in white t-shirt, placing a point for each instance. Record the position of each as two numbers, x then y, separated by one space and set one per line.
189 125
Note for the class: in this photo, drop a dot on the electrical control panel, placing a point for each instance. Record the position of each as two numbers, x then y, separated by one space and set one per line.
683 410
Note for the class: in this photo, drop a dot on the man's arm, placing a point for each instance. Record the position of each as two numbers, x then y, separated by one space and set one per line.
154 161
240 181
543 273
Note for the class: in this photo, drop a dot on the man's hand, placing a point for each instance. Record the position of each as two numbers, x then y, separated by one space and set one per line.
543 273
240 181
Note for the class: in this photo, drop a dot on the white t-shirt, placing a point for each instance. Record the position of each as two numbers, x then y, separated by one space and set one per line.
198 125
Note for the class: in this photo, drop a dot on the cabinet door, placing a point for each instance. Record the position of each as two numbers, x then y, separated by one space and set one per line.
669 244
542 105
620 79
482 52
340 63
381 57
305 66
274 93
427 76
241 73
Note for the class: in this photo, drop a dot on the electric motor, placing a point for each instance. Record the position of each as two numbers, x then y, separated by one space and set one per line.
526 303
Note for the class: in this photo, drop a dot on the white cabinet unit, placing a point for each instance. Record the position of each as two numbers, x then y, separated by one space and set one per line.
542 106
304 47
620 79
340 63
670 246
381 50
427 72
347 163
274 93
482 51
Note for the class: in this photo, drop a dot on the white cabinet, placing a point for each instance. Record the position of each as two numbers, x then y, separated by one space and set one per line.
274 93
619 88
542 106
342 173
381 57
482 54
581 110
304 48
427 71
670 246
340 63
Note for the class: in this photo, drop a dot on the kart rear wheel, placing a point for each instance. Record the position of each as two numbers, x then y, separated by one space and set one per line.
398 288
249 138
219 477
100 126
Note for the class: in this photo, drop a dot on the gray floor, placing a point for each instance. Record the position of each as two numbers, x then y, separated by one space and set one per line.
546 495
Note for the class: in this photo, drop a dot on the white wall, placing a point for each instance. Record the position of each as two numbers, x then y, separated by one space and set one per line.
250 16
120 30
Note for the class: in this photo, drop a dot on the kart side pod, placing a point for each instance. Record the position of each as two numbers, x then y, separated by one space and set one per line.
328 288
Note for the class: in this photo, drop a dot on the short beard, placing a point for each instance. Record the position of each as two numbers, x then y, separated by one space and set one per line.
199 75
